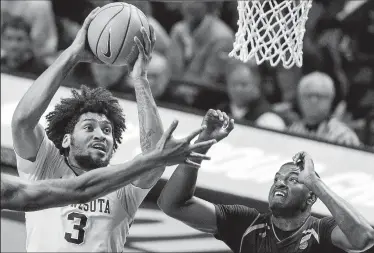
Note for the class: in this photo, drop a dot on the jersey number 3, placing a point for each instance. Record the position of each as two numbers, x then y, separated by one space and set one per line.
80 227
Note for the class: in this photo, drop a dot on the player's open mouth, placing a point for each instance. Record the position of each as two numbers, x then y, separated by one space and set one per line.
279 194
99 146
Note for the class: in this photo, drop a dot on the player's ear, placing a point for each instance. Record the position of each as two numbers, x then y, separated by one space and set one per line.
66 141
312 198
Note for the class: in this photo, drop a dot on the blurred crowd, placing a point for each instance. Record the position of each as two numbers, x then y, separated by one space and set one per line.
330 98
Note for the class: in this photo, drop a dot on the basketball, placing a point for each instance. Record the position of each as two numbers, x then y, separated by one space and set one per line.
111 33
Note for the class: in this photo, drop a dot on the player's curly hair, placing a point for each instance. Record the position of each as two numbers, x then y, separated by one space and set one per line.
66 114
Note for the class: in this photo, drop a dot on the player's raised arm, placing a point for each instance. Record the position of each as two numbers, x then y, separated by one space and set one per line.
150 125
353 232
27 133
177 198
22 195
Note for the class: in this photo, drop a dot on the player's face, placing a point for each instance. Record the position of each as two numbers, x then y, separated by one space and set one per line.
92 141
287 196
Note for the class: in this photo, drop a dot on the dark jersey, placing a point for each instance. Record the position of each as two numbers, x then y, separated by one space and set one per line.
246 230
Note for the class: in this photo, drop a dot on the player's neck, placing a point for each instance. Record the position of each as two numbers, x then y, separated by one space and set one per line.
74 166
290 223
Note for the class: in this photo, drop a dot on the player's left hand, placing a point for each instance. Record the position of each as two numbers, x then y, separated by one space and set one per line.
172 151
218 125
307 174
145 53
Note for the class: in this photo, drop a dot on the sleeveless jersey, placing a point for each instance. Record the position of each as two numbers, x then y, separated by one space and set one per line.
246 230
98 226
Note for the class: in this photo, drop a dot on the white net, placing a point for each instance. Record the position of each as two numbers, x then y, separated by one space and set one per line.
271 30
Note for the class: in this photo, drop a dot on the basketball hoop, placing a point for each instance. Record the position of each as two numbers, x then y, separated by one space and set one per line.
271 30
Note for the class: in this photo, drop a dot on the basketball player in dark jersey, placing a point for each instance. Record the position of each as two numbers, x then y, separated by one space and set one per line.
289 226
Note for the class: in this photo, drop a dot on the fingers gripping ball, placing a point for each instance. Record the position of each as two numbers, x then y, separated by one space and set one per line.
111 33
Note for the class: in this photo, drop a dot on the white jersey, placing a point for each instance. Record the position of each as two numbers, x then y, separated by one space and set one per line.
99 226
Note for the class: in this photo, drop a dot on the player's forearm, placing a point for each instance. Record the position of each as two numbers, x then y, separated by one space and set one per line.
88 186
105 180
150 124
150 127
7 194
352 223
180 188
37 98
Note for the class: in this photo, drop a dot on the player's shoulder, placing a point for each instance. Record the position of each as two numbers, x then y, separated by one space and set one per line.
48 163
319 223
236 210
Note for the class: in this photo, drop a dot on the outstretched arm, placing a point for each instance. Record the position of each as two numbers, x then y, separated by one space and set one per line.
150 124
178 201
353 232
27 133
177 198
21 195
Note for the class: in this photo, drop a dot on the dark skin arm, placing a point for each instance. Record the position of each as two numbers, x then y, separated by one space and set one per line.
177 198
27 133
22 195
353 231
150 125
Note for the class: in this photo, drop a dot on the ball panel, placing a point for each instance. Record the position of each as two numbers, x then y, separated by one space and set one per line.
99 23
144 20
129 51
129 48
111 33
111 41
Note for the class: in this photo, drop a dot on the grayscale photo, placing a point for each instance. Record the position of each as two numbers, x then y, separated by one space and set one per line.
187 126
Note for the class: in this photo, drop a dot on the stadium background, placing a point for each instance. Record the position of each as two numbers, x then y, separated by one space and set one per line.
241 170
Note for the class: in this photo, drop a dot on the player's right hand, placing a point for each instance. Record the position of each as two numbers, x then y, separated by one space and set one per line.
171 151
307 175
80 45
145 53
219 126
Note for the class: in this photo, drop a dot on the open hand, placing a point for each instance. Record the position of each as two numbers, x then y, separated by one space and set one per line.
171 151
219 126
80 44
145 53
307 173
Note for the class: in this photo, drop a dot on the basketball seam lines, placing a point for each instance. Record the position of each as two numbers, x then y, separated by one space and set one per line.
134 46
124 37
137 12
108 7
97 45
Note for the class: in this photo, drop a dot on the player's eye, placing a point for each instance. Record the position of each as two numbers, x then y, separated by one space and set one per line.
107 130
275 180
88 127
294 180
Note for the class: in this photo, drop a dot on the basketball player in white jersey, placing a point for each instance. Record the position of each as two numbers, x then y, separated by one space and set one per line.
82 134
22 195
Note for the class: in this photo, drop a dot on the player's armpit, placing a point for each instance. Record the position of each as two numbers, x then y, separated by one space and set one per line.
339 239
196 213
